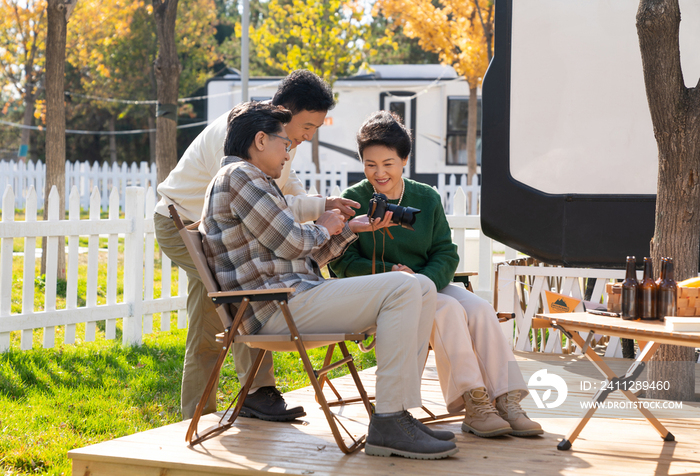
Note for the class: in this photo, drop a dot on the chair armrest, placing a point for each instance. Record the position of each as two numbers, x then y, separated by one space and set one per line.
222 297
463 277
505 316
252 292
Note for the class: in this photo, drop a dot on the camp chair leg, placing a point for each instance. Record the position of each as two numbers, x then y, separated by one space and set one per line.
358 383
213 379
432 417
330 416
229 416
325 380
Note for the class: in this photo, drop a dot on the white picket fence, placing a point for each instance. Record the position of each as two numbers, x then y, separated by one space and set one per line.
447 188
137 307
329 178
521 289
23 175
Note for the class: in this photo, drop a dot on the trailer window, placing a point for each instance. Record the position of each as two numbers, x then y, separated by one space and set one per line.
399 108
457 114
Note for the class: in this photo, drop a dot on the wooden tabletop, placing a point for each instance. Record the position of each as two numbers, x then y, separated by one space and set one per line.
615 326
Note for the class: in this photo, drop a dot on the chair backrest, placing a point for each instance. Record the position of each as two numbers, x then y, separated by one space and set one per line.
282 343
193 242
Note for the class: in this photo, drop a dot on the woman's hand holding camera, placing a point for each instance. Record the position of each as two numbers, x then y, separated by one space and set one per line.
364 223
334 221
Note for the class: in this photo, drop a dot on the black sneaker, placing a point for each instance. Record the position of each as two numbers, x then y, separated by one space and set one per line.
267 404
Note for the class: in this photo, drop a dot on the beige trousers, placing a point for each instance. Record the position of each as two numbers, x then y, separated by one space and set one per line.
470 348
201 349
401 305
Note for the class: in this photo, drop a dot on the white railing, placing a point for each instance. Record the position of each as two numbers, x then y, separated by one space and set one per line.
447 188
137 306
21 176
521 289
329 178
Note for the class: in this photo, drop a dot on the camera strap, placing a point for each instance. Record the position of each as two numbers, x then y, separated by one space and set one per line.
374 248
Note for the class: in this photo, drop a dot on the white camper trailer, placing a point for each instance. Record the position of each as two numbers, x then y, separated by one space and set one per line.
432 100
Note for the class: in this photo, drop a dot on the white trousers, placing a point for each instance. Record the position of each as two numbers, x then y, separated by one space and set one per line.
401 305
470 348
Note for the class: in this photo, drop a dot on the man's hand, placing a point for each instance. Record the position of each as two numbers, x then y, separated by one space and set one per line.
333 221
342 204
401 267
364 223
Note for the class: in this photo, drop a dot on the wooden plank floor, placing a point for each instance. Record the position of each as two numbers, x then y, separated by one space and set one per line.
618 443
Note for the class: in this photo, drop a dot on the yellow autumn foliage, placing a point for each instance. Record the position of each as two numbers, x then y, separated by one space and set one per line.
453 30
22 44
325 37
113 45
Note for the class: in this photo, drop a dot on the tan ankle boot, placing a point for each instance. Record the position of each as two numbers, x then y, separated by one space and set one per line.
482 418
508 406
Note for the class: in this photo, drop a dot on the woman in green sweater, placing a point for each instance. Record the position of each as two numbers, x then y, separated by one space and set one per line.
473 359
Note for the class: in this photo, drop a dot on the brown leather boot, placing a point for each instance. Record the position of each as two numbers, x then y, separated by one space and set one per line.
482 418
508 406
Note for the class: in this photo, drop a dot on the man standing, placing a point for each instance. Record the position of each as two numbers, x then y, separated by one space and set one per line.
309 98
252 241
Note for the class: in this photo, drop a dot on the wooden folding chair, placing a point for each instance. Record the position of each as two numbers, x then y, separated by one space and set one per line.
279 343
460 277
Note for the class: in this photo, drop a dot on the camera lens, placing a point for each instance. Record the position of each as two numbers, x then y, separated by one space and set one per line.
404 216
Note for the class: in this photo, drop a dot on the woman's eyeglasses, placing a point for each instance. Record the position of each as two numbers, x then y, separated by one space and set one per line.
286 140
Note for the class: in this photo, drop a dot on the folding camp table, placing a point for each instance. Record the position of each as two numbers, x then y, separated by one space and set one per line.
654 332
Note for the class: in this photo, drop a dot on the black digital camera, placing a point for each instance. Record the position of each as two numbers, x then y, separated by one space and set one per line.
404 216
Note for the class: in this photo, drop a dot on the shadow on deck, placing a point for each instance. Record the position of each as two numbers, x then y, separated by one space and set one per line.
616 442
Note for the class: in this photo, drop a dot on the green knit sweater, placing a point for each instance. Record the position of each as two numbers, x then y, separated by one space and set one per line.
428 250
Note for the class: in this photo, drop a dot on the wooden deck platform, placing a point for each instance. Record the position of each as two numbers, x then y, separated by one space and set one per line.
616 443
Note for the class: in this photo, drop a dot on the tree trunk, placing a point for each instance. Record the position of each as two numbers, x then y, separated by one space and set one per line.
167 70
112 140
675 115
471 133
55 118
29 99
152 135
486 19
152 116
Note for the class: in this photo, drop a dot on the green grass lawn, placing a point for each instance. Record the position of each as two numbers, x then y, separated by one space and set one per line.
54 400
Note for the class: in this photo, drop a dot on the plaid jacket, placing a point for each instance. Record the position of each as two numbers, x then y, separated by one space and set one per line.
251 240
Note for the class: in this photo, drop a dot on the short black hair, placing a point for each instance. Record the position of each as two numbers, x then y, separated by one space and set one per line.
246 120
384 128
302 90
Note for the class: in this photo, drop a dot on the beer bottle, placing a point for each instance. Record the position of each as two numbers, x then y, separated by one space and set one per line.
630 288
647 292
666 295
